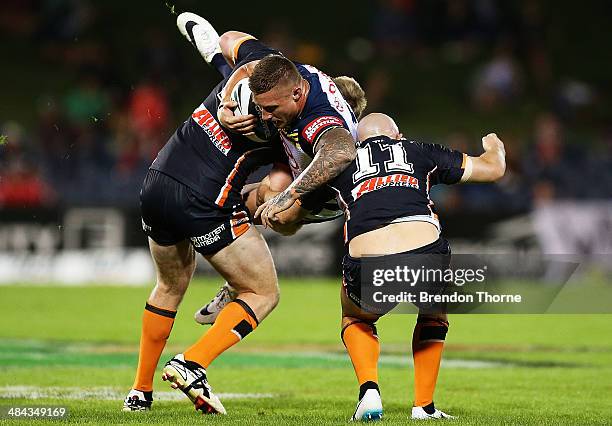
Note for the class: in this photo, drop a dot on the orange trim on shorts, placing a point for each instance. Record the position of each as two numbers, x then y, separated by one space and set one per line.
240 229
464 161
237 45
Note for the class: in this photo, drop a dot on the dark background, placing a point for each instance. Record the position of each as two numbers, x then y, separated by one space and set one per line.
92 90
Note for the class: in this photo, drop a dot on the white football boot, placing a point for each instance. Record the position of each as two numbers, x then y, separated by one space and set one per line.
199 32
190 378
138 401
369 408
418 413
208 313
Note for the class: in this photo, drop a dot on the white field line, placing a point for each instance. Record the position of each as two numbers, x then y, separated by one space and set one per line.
388 360
396 360
103 393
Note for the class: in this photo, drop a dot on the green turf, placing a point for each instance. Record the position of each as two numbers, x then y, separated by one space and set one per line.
538 369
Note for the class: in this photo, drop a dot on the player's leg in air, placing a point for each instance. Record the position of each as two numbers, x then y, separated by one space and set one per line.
203 36
229 44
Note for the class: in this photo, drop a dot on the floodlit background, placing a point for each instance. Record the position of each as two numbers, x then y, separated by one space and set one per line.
90 91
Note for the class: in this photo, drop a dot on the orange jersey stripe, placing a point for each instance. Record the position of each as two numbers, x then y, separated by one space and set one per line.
228 182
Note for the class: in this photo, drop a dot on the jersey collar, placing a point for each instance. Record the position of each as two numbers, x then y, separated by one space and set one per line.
375 139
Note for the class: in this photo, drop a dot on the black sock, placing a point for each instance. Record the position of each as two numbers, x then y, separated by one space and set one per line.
218 61
429 408
367 385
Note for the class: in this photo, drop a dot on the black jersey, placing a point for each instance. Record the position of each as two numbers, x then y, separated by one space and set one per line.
209 159
389 182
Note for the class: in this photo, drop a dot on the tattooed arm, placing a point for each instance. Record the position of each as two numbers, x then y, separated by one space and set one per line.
334 152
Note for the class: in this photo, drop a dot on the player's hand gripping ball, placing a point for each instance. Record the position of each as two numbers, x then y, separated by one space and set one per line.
241 94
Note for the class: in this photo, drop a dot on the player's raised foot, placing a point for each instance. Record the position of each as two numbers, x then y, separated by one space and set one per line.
208 313
190 378
199 32
429 412
138 401
369 408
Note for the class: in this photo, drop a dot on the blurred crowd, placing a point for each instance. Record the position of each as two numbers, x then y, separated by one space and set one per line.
94 138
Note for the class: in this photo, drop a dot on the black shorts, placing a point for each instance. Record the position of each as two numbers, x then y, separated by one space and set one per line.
434 255
172 212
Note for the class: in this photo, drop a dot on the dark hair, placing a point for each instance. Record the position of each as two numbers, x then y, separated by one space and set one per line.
270 71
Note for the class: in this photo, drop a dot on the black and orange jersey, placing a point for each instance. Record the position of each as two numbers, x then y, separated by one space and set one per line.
208 158
389 182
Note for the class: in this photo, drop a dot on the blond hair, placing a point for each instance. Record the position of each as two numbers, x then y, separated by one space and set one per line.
352 93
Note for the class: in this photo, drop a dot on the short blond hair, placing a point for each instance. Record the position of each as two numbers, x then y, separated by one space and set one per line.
352 93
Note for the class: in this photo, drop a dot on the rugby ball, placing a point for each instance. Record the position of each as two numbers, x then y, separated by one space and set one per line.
241 94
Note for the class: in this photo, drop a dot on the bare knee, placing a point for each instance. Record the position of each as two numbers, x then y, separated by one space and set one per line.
274 298
172 288
227 42
268 291
174 279
175 266
365 318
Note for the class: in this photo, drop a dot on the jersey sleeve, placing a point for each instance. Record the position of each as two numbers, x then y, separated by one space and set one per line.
449 163
318 124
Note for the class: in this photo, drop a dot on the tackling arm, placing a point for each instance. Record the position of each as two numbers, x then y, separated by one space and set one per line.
334 152
279 178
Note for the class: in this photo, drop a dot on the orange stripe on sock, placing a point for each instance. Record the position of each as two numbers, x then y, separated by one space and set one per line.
363 348
155 331
427 356
221 336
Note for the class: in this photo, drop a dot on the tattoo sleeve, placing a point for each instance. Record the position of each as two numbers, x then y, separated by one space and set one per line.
336 150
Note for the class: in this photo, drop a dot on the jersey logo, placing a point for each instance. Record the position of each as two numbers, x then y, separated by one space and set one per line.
209 238
314 128
376 183
215 132
293 136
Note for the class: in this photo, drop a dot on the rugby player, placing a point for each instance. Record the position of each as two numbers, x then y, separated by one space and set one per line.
311 104
191 201
398 220
316 125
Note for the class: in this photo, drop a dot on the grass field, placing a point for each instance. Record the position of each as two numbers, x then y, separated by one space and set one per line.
76 346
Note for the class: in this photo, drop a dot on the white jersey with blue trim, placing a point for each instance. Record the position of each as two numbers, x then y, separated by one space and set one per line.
325 109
